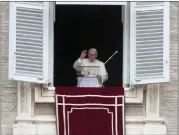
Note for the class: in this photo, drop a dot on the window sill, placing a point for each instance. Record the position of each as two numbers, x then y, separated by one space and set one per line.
125 88
51 88
128 88
132 95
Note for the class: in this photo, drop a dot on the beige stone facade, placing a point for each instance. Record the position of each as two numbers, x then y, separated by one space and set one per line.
167 91
8 88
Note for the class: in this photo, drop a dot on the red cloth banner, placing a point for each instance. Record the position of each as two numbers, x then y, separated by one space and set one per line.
90 111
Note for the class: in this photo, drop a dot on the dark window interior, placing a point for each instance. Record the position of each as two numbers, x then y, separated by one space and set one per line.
79 27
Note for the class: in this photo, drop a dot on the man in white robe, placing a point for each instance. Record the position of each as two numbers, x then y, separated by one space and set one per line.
92 71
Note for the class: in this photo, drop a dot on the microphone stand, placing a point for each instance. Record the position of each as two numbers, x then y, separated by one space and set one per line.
111 56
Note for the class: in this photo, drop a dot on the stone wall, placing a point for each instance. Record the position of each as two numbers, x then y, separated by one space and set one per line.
168 92
0 66
8 88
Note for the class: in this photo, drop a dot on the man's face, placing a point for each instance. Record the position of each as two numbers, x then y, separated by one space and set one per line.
91 57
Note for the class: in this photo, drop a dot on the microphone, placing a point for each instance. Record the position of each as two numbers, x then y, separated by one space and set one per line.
115 52
111 56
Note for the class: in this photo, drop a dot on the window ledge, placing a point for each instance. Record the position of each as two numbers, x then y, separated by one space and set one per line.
133 95
125 88
41 118
128 88
51 88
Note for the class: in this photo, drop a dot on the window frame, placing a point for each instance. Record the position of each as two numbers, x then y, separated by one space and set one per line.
126 45
133 95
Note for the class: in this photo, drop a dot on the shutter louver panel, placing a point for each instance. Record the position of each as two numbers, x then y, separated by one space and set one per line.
149 45
28 41
150 34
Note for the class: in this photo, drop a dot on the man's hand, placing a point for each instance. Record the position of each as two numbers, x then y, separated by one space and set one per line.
83 54
99 78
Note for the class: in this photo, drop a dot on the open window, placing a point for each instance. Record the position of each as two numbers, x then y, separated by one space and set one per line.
80 27
142 41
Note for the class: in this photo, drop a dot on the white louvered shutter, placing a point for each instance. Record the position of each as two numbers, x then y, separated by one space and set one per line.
149 42
28 41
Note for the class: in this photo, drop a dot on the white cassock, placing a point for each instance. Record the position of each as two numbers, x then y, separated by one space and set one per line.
89 70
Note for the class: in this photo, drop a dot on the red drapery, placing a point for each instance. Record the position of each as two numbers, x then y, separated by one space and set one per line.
90 111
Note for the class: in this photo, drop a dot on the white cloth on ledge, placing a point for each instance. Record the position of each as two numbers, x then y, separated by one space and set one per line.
88 82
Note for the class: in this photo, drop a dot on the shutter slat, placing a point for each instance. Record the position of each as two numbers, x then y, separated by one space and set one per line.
29 61
27 57
29 50
140 4
140 54
149 37
143 27
27 24
144 34
149 71
151 30
151 62
149 75
29 14
149 56
29 36
30 64
149 45
29 41
156 18
149 42
152 47
30 23
28 54
28 68
150 34
149 66
22 17
29 31
32 40
32 3
25 28
29 47
29 73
